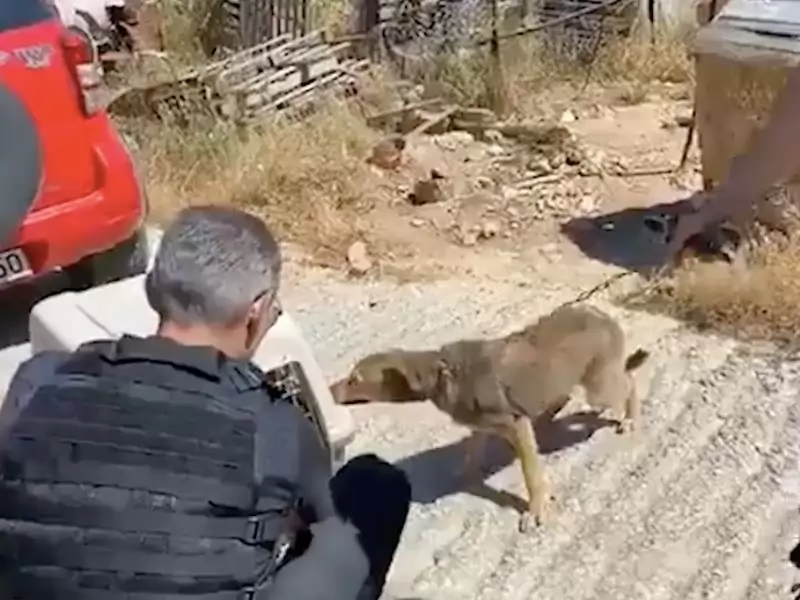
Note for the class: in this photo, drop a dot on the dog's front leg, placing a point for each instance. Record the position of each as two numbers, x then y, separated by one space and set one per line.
524 441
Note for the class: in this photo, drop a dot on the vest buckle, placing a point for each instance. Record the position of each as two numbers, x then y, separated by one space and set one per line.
257 530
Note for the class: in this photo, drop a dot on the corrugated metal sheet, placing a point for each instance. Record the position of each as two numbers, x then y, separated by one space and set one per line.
765 31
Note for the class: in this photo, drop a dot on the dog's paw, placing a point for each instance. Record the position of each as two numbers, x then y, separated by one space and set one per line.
537 515
525 520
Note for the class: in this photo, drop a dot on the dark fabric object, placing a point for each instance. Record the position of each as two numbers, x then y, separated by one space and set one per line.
794 556
20 162
375 496
138 431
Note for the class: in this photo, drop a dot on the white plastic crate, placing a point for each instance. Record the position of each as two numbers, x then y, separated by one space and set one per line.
67 320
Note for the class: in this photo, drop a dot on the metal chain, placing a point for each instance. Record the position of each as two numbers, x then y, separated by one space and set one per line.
610 281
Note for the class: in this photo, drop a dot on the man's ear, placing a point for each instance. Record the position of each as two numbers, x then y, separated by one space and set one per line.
257 323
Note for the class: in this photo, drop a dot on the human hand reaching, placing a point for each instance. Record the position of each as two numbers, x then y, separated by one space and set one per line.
707 209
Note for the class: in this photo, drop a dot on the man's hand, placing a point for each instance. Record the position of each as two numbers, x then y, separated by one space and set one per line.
707 209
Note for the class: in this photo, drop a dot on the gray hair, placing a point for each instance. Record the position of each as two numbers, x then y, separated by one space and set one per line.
212 264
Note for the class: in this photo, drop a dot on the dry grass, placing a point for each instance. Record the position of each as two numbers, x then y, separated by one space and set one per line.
760 302
632 65
306 178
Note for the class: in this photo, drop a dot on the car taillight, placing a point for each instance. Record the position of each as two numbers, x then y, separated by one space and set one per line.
81 56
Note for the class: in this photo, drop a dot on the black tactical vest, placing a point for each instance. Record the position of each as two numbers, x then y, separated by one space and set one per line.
130 475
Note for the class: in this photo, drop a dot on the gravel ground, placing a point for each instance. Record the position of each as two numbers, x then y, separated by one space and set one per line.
701 503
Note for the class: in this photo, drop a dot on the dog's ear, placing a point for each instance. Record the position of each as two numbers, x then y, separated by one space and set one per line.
445 380
403 380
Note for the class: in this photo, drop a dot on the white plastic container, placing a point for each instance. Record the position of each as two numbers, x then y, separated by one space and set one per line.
67 320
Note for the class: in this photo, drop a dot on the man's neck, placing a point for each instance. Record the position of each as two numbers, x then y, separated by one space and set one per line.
195 335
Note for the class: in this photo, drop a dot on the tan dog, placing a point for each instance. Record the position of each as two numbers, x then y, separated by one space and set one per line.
501 386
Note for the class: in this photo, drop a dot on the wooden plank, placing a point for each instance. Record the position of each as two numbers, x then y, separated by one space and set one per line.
297 93
243 57
377 120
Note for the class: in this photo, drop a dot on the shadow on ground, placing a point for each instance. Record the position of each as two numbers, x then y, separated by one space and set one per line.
437 472
632 238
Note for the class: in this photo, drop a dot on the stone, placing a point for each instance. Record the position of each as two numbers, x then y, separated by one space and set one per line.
468 238
489 228
495 150
492 136
426 191
557 160
388 153
358 258
568 117
484 182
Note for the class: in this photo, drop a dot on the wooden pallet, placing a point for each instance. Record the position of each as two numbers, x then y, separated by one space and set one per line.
250 85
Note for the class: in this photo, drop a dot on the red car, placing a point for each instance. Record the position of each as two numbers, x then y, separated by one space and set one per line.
70 197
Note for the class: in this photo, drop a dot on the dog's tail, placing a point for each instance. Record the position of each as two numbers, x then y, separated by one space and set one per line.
636 360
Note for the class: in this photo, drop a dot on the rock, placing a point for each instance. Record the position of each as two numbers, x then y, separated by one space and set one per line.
492 136
495 150
557 160
453 140
468 237
358 258
484 182
489 229
417 222
538 166
573 156
568 117
388 153
427 191
683 120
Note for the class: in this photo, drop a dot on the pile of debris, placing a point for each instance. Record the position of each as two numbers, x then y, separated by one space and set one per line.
277 75
530 170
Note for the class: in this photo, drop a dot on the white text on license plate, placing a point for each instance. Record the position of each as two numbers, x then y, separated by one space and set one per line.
13 266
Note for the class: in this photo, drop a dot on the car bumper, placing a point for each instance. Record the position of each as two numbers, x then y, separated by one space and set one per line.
63 233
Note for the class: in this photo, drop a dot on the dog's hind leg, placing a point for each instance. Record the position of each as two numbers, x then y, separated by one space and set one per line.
633 407
523 439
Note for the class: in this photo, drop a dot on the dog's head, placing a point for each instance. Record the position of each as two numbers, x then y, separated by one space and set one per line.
396 376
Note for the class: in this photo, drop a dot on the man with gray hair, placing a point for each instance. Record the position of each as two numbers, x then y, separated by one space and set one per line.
165 468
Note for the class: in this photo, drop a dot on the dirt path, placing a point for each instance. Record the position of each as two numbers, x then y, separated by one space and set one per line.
700 504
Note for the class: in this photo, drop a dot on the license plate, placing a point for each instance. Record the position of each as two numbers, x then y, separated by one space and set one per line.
13 266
